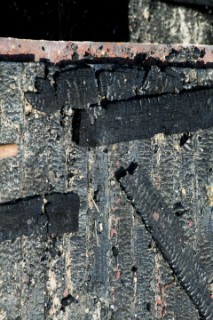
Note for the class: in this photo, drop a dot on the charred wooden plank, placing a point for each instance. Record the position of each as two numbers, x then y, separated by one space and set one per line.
77 88
143 118
74 88
120 84
21 217
163 225
26 216
44 99
62 211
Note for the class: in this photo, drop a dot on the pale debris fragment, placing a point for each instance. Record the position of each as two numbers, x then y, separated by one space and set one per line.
8 150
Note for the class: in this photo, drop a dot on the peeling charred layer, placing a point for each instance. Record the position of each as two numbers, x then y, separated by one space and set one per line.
44 100
143 118
26 216
168 235
74 87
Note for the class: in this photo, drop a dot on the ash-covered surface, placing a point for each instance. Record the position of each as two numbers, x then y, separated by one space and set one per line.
110 267
170 21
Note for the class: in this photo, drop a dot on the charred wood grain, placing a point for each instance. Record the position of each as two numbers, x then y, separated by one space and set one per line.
62 211
77 88
120 84
58 214
110 262
44 99
74 88
143 118
169 237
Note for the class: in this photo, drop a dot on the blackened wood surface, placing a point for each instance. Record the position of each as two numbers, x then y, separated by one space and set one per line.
139 119
159 21
112 83
110 268
75 88
56 213
165 230
62 212
21 217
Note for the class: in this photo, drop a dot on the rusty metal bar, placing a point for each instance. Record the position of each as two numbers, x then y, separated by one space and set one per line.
56 51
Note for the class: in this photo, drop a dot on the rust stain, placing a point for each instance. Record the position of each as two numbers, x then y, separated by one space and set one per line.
56 51
160 300
65 293
113 232
163 297
118 275
190 223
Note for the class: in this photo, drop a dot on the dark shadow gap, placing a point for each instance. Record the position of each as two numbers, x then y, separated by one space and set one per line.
80 20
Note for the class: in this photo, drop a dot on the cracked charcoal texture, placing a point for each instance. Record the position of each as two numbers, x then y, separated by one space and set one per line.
45 268
77 88
44 100
112 83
